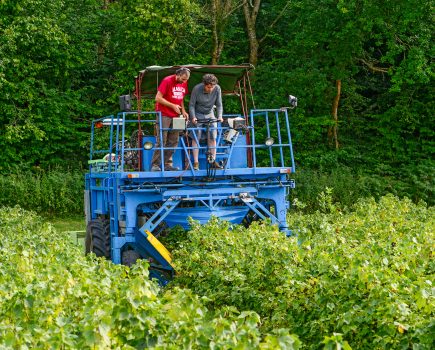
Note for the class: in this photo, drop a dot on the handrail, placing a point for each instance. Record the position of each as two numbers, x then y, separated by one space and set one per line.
264 123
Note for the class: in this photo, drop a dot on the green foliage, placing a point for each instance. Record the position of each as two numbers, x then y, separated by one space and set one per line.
47 53
66 62
382 55
53 297
415 181
360 278
55 192
150 33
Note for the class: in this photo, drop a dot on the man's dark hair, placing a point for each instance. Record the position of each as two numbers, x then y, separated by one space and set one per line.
208 79
183 71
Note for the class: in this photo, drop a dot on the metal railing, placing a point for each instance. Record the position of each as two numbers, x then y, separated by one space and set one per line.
265 142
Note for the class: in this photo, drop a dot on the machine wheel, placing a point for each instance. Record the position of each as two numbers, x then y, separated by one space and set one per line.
129 257
98 237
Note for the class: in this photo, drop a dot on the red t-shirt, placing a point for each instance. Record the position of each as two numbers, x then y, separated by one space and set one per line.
173 92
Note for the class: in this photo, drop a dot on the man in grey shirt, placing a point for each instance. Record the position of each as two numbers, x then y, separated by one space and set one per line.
203 98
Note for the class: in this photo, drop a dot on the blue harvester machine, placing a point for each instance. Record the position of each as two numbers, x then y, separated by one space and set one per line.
128 206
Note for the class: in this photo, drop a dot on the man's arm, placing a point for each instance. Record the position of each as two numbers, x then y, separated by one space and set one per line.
218 104
183 111
192 104
161 100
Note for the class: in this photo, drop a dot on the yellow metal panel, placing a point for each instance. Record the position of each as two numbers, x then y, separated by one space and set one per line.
159 247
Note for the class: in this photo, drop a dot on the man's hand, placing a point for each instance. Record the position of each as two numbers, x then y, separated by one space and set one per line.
194 120
177 109
220 119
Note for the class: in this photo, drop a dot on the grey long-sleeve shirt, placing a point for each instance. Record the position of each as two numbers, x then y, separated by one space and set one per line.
201 104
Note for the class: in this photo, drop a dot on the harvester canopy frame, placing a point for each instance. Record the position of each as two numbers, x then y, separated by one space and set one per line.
231 77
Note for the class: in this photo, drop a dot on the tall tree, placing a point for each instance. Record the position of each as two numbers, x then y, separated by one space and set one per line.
66 61
380 54
154 32
47 50
251 11
220 12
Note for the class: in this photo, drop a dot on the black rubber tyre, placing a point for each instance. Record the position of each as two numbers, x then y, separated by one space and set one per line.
129 257
98 237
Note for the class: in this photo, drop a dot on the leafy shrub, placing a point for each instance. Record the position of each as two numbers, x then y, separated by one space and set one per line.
363 276
411 180
54 192
53 297
346 185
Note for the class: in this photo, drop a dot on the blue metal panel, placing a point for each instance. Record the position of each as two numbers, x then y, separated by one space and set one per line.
223 191
239 157
147 155
100 202
179 216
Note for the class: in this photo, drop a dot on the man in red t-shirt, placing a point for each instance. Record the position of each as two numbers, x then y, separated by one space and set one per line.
169 101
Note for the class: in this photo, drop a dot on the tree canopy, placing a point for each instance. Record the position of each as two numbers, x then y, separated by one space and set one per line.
362 71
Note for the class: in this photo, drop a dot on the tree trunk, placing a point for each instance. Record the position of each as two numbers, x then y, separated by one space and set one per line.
250 11
220 11
106 4
333 132
215 33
